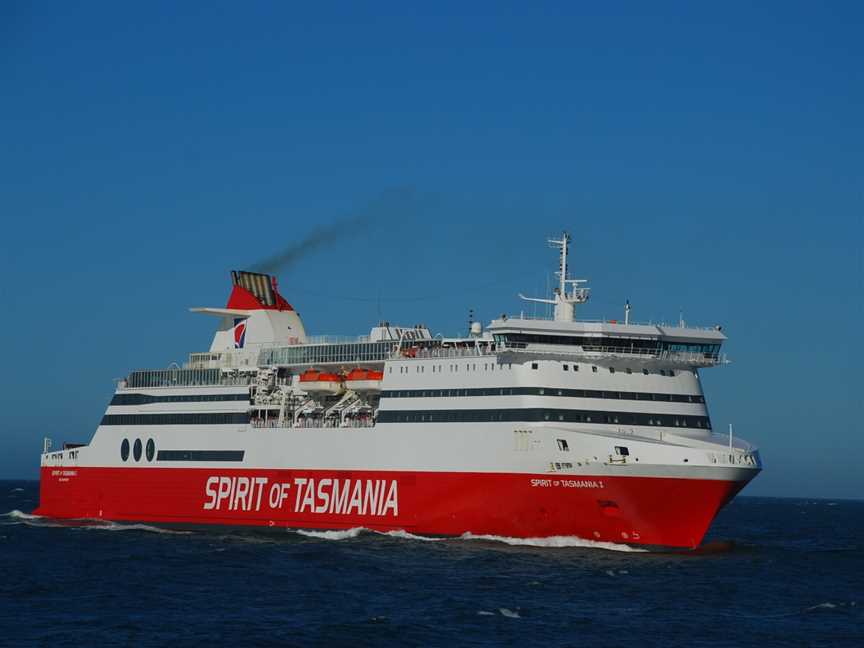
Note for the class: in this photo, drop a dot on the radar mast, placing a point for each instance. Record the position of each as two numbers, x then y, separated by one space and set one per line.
564 301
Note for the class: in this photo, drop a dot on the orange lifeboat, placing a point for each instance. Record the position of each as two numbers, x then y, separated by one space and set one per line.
313 381
364 380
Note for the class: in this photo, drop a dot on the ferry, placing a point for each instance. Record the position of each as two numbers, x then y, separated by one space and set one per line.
523 427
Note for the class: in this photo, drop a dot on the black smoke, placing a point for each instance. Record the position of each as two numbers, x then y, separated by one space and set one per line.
391 204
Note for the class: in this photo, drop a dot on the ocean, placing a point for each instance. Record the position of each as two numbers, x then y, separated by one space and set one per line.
773 572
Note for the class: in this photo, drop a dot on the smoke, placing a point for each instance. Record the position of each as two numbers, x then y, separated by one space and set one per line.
392 203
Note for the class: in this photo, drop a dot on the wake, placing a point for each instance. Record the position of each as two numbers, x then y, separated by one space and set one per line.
552 542
19 517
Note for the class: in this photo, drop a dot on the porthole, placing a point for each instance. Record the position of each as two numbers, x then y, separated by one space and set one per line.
124 450
151 449
136 450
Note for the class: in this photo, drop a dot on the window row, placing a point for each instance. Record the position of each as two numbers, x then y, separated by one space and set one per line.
234 418
543 414
541 391
146 399
200 455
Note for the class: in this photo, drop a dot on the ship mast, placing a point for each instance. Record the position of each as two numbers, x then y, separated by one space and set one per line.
564 301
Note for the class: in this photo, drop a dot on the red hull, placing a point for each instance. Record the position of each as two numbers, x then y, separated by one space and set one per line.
636 510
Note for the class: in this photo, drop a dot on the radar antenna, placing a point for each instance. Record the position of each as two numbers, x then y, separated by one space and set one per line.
564 301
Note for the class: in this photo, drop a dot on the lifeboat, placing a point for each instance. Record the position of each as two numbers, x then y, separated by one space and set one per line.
364 380
321 382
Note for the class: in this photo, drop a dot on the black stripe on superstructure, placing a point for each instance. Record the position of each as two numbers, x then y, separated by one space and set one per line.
146 399
202 418
542 391
200 455
524 415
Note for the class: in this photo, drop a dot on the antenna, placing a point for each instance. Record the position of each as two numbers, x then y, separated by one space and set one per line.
564 301
627 312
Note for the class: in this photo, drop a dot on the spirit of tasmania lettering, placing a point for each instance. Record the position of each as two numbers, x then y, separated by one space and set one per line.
375 497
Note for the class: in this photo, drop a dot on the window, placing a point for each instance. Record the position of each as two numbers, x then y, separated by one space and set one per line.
533 365
622 451
136 450
611 369
151 449
594 369
565 367
645 371
562 445
629 370
124 450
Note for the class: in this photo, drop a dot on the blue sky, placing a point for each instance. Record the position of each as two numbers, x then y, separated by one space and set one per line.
705 158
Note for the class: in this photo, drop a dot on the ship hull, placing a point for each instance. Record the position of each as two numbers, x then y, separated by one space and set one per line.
658 511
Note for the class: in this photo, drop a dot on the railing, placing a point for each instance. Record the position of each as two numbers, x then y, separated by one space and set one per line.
313 423
686 357
541 318
445 352
188 377
338 339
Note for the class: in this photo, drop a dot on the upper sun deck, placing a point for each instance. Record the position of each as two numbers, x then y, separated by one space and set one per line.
673 344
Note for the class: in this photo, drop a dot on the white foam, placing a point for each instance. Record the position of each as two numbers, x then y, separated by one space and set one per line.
101 525
553 542
510 614
823 606
17 490
485 613
333 535
15 514
404 535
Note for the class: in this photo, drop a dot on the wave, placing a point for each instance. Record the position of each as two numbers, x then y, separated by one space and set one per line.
17 490
332 535
404 535
85 523
103 525
354 532
556 542
15 514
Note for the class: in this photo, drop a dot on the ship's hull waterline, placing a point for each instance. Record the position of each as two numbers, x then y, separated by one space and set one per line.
661 511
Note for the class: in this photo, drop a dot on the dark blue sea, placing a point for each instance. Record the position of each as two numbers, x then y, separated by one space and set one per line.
775 572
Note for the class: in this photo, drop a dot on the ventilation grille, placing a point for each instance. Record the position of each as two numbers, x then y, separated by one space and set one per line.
260 285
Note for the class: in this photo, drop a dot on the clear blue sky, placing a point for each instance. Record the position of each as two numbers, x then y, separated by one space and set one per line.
704 157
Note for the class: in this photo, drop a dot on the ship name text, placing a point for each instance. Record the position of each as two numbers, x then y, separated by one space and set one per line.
377 497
